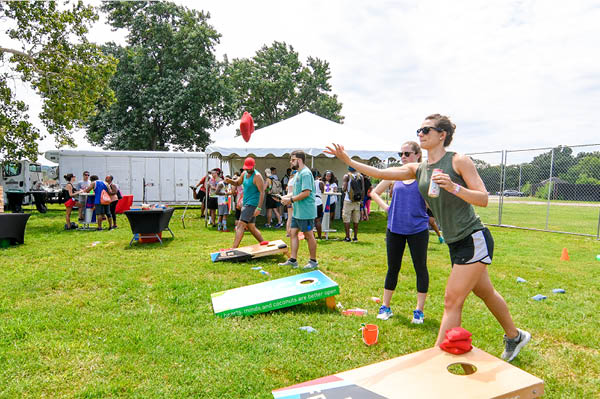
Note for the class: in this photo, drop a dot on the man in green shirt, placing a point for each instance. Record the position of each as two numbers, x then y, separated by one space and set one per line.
304 210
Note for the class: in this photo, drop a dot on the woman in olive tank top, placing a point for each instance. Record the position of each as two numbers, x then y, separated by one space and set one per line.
470 243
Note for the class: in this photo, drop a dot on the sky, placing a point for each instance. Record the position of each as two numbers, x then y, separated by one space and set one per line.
510 74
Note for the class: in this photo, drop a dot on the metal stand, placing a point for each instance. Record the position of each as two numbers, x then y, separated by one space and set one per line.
326 217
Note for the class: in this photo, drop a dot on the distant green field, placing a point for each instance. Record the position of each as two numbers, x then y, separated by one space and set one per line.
104 321
566 218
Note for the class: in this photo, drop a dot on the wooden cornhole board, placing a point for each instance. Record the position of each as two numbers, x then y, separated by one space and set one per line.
250 252
275 294
423 374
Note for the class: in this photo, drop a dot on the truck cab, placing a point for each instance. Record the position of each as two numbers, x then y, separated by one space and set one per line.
26 182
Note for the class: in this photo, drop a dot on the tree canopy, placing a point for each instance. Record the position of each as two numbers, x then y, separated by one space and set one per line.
53 56
274 85
169 85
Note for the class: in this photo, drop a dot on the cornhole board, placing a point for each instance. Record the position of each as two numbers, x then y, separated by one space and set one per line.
250 252
275 294
423 374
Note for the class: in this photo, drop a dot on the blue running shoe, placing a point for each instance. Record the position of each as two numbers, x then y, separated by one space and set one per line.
418 317
384 313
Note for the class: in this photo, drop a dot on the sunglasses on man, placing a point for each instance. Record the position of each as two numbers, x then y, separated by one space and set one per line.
426 129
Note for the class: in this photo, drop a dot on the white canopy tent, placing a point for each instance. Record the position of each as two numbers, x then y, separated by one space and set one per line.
272 145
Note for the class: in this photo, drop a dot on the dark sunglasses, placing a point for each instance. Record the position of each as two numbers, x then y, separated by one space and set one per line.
86 174
406 153
426 129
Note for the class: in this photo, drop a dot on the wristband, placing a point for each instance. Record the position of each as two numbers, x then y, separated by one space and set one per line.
292 199
260 209
456 189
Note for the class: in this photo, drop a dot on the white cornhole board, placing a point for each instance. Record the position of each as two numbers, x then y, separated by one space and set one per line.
423 374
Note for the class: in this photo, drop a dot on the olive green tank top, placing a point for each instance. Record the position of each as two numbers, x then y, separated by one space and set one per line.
456 217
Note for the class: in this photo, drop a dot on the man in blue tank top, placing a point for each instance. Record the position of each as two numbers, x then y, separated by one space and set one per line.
254 193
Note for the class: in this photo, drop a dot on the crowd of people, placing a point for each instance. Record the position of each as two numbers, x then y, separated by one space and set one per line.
104 198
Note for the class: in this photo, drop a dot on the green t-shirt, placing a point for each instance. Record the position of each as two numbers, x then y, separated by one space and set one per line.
456 216
306 208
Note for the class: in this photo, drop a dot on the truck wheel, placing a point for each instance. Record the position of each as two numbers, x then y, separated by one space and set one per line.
40 202
41 207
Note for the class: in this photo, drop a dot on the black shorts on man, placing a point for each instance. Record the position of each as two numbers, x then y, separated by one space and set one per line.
476 247
213 203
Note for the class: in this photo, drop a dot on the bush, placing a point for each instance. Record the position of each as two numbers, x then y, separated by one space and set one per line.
526 189
542 192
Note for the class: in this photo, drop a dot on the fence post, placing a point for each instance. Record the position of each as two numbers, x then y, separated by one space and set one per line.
549 187
502 178
598 229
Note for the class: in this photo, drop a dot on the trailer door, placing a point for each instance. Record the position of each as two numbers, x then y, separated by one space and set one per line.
118 167
138 171
152 180
167 180
182 191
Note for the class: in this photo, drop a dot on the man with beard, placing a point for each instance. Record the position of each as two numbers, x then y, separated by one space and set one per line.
304 211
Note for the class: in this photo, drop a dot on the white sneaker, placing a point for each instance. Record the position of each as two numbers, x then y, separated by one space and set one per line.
384 313
293 264
512 347
311 265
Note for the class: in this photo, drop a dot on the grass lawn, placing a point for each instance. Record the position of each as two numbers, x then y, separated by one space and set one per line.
108 320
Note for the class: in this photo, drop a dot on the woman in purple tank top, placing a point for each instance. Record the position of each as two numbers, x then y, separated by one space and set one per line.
407 223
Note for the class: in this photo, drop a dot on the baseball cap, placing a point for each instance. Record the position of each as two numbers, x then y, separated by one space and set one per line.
351 169
249 163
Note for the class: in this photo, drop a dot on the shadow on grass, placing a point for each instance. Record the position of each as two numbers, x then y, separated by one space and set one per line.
136 245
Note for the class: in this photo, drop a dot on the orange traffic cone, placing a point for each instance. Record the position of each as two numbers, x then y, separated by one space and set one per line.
565 254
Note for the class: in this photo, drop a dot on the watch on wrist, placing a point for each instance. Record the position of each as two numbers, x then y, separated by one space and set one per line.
456 189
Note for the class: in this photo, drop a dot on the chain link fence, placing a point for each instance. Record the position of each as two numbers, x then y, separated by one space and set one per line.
549 189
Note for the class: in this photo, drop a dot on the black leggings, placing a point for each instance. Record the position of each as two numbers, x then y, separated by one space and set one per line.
418 251
113 211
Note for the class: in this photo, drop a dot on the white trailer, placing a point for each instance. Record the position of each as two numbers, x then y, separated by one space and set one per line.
150 176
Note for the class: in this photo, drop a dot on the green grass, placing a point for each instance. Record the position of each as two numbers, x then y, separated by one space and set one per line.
113 321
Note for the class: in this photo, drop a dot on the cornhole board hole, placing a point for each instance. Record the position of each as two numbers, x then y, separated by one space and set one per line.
275 294
424 374
250 252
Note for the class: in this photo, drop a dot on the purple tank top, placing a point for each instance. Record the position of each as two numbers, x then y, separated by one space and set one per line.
407 213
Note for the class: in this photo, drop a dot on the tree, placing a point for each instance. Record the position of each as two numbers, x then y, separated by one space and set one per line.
274 85
169 86
539 167
587 170
56 60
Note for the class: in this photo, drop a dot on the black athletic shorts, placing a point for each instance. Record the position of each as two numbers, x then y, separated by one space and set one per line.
430 213
213 203
271 203
201 194
238 213
477 247
319 211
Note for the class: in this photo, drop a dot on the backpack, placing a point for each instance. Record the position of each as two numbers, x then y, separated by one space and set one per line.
276 187
356 188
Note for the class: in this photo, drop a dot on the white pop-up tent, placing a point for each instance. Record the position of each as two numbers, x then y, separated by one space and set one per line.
271 146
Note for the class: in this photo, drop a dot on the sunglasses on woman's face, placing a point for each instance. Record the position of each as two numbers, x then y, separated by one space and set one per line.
426 129
406 153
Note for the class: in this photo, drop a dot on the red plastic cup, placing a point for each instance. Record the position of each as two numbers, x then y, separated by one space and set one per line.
370 334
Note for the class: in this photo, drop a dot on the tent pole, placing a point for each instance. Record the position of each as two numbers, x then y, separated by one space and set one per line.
206 196
312 162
